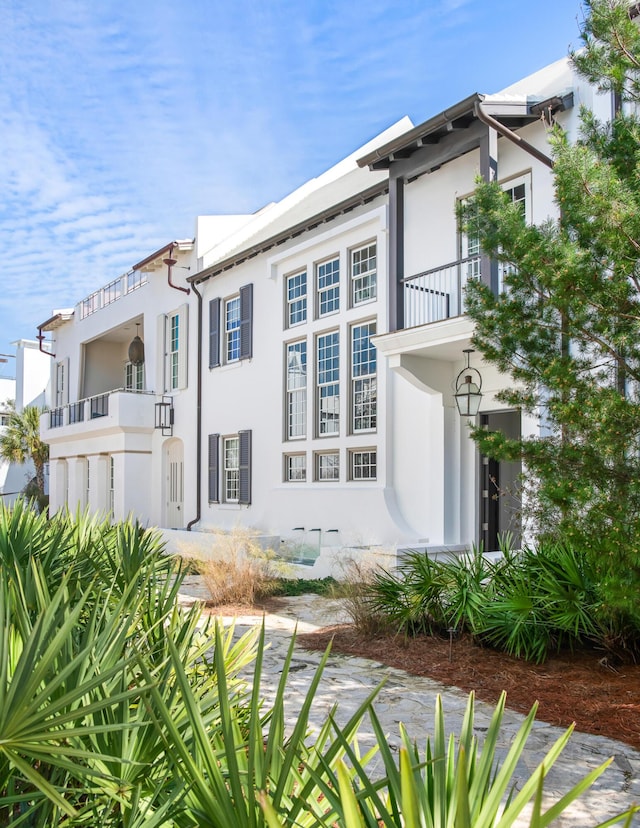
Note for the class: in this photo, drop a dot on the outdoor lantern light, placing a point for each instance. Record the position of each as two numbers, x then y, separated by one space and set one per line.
164 416
136 349
468 392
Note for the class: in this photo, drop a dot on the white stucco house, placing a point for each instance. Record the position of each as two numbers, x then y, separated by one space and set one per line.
300 363
24 379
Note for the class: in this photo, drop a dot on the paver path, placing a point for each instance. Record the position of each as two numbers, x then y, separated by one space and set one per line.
409 699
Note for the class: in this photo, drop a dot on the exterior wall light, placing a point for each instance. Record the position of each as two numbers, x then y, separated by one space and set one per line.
136 349
164 416
468 392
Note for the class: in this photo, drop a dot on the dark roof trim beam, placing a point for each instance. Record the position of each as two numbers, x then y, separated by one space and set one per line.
279 238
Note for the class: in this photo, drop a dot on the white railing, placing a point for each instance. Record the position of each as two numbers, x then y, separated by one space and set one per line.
110 293
438 293
89 408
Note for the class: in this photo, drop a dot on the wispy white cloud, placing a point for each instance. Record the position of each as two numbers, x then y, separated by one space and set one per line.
119 123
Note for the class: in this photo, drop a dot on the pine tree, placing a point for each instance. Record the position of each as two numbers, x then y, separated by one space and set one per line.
567 326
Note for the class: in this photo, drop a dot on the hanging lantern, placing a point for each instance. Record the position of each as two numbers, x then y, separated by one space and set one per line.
136 349
468 392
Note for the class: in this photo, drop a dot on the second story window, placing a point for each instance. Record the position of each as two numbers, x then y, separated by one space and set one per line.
363 274
328 382
133 377
296 390
363 377
174 350
296 287
328 276
232 329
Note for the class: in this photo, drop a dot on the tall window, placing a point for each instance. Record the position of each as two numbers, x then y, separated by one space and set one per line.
296 390
296 299
133 377
232 328
231 469
87 481
363 377
174 349
363 274
328 382
328 276
62 379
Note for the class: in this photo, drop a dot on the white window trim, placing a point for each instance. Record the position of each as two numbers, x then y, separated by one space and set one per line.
322 293
351 470
287 468
373 378
317 455
290 303
353 278
293 391
319 386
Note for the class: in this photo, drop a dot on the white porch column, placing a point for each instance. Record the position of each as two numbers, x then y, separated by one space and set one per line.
77 483
99 477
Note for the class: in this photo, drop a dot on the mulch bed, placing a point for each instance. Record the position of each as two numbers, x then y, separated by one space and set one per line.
586 687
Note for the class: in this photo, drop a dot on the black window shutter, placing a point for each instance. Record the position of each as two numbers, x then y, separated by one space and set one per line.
246 322
245 467
214 478
214 333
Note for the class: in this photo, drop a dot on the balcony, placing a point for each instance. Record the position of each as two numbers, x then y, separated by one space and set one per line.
118 410
438 294
110 293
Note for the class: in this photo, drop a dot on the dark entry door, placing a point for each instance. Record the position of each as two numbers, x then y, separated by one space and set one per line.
500 487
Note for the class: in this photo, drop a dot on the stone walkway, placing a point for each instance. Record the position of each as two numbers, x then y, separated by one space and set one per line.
409 699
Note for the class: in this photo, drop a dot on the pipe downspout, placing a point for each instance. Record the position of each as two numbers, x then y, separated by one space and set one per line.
516 139
170 262
198 416
41 339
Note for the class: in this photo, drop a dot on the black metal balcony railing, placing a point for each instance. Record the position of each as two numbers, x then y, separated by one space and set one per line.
438 293
90 408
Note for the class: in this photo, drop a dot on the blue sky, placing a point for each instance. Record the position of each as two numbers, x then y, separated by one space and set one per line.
120 122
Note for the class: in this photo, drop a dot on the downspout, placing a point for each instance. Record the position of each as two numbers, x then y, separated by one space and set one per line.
41 339
170 262
198 414
516 139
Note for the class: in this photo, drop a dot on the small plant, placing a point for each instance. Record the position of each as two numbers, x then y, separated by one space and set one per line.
239 570
290 587
354 589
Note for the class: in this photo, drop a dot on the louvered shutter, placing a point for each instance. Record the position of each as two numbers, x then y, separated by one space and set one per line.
244 495
246 322
214 477
214 333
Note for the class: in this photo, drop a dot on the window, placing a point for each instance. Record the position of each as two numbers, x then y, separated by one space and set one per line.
296 393
4 419
231 469
363 274
237 325
363 377
133 377
295 467
328 278
236 468
62 382
327 465
362 464
296 299
328 381
232 329
176 325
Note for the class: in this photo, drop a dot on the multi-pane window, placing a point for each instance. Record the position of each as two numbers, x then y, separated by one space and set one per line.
363 274
231 468
174 351
295 467
327 465
363 377
296 406
363 464
328 383
232 328
134 377
297 298
328 274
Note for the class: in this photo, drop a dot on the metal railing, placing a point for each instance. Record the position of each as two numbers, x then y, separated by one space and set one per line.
438 293
90 408
110 293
